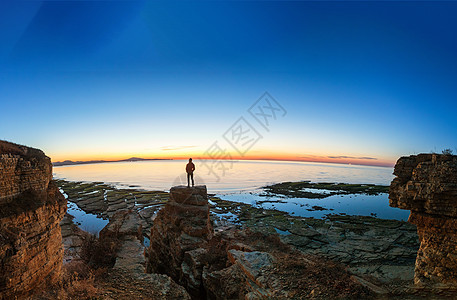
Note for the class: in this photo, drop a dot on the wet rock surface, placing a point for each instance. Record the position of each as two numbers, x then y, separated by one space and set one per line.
426 184
72 238
384 249
379 254
105 200
308 189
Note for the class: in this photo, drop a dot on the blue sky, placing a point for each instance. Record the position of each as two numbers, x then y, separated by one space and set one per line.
93 79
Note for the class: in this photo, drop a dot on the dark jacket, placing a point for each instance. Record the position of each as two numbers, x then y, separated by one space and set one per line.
190 168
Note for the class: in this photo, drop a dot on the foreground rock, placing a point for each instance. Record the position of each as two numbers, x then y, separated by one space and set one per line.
31 208
72 238
426 184
236 264
181 226
383 249
125 227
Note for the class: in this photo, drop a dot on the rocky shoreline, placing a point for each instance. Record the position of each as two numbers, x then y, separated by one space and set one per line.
187 244
381 251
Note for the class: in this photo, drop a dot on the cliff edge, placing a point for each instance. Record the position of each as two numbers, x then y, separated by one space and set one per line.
426 184
31 208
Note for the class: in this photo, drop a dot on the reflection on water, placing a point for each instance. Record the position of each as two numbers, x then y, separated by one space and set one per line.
87 222
354 204
245 175
241 184
282 232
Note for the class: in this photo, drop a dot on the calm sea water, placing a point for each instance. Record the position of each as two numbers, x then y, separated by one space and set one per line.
242 181
244 175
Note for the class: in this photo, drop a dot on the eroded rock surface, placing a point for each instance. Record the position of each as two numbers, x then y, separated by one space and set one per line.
426 184
236 264
31 208
104 200
384 249
126 227
22 169
181 226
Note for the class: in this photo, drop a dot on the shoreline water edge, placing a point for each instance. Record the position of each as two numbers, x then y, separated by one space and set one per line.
382 248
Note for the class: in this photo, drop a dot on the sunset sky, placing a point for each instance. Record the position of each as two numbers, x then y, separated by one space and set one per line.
359 82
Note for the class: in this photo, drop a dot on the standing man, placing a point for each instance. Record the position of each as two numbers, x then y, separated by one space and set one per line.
190 168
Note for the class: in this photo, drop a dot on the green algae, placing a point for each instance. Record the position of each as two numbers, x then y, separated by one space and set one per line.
301 189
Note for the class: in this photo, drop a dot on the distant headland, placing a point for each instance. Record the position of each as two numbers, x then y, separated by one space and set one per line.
131 159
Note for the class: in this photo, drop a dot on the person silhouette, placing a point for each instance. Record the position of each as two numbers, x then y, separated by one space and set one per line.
190 168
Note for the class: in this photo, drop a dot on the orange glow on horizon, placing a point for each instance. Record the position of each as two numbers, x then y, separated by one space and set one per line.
198 155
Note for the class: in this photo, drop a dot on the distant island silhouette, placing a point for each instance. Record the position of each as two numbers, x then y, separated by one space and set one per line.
131 159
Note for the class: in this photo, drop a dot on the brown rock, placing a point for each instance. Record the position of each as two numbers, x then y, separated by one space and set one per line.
31 208
426 184
124 223
22 169
228 283
181 226
196 195
436 260
128 272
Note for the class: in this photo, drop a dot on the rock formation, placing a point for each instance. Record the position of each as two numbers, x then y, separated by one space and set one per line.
426 184
125 226
31 208
233 263
181 226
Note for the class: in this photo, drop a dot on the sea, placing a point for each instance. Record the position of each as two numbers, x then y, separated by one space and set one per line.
242 181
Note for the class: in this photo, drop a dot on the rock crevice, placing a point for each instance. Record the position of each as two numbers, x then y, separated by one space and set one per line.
181 226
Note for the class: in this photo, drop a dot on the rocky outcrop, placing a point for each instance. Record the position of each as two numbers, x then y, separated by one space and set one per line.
234 263
181 226
244 264
426 184
31 208
22 169
125 227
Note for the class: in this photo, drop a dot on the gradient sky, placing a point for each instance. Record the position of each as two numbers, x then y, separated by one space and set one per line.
113 79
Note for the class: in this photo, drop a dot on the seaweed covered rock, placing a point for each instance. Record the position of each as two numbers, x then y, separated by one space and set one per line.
426 184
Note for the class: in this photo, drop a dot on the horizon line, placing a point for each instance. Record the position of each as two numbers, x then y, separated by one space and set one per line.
310 160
